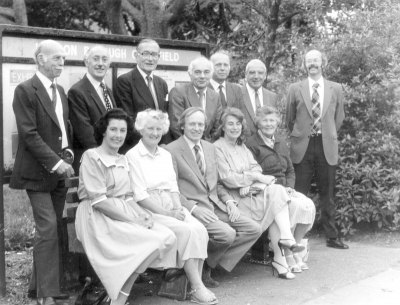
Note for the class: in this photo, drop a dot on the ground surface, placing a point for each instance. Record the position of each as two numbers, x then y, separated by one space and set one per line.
367 273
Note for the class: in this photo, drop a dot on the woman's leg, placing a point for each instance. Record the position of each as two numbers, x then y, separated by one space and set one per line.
193 272
125 290
293 258
283 223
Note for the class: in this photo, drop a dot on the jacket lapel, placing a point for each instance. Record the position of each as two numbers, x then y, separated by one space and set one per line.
193 97
229 94
45 99
189 158
209 165
327 97
305 92
247 103
94 95
142 88
159 92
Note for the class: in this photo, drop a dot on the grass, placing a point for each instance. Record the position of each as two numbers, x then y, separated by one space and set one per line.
18 220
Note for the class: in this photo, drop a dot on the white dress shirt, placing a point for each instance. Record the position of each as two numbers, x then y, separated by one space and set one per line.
191 145
144 75
216 85
252 94
99 90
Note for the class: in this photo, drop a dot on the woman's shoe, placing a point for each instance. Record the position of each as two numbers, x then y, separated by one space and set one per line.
197 300
286 276
294 247
303 266
295 268
299 262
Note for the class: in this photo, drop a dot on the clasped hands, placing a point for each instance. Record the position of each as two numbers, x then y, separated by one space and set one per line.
266 179
145 220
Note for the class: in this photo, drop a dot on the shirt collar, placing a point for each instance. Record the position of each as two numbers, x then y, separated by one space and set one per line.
144 151
45 81
252 91
197 90
94 82
266 140
216 85
144 75
191 143
320 82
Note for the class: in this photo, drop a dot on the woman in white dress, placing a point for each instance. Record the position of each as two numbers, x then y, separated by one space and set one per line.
156 190
120 239
272 153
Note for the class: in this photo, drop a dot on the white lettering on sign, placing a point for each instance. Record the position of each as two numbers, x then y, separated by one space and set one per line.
169 56
71 50
19 76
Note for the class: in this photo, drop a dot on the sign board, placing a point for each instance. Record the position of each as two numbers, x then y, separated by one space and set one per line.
18 45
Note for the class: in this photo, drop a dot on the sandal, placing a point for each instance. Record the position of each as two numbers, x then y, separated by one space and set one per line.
263 262
196 300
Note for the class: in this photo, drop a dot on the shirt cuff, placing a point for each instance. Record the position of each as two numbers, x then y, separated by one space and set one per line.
231 200
57 165
98 199
191 211
128 199
71 152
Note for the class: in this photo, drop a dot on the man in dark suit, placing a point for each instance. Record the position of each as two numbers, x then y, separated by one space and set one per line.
195 163
42 162
140 89
230 94
254 95
314 115
88 100
196 94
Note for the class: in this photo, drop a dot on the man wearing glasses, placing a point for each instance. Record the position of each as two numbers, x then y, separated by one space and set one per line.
196 94
140 89
314 115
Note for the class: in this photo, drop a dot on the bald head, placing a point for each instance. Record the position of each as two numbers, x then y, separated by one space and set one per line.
256 73
221 65
50 57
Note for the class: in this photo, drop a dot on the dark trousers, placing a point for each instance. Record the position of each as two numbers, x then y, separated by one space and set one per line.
47 210
314 164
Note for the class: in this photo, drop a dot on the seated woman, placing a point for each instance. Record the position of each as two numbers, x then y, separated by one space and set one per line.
156 190
120 239
271 152
240 174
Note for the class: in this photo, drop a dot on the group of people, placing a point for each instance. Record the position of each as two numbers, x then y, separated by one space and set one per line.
181 185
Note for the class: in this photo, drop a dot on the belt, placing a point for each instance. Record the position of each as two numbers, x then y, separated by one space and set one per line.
315 135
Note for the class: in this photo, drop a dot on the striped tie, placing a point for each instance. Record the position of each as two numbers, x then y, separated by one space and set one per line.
316 110
199 160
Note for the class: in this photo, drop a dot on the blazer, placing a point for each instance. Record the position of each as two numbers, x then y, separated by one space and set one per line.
234 96
193 187
85 109
269 98
39 136
183 97
299 119
273 161
133 95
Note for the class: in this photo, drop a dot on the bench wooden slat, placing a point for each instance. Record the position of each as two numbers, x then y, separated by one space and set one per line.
72 182
72 197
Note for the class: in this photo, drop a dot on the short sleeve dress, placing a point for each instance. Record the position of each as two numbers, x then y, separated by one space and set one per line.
116 249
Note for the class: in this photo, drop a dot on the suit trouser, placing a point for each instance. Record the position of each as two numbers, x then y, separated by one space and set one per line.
47 210
314 164
229 241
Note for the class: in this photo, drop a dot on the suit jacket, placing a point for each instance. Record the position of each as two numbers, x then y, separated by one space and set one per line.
234 96
183 97
133 95
39 136
273 161
299 119
193 187
85 109
269 98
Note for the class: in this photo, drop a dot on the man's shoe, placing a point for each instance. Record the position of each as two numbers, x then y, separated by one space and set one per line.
336 243
45 301
206 277
62 296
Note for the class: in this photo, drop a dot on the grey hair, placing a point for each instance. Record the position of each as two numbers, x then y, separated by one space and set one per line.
146 40
256 61
266 110
198 60
89 52
221 52
41 48
143 116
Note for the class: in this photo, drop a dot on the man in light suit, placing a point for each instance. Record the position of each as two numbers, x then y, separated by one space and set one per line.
196 94
314 115
254 95
88 100
230 94
42 162
140 89
196 167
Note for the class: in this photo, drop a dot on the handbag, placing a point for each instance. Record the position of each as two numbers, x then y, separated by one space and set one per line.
174 288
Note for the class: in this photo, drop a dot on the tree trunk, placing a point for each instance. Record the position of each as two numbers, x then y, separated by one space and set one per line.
113 9
20 12
273 24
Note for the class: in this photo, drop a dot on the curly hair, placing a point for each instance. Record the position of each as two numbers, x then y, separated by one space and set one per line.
237 113
143 116
101 125
266 110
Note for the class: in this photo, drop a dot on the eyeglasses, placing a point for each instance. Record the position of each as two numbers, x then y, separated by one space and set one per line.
313 61
153 55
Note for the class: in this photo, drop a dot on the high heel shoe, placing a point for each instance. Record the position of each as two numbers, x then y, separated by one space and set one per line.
286 276
299 262
295 247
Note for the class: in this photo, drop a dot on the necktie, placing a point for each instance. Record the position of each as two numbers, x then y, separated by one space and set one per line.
316 110
53 95
257 100
153 94
105 95
222 95
201 99
199 160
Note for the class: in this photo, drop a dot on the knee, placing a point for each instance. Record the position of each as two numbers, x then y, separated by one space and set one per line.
169 239
226 236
